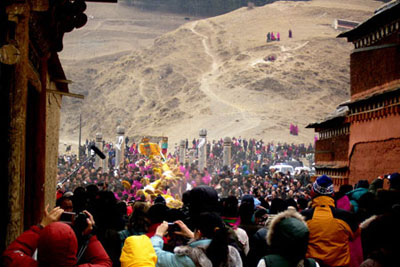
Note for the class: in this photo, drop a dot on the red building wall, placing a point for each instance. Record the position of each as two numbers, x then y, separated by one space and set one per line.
334 149
371 159
374 147
370 69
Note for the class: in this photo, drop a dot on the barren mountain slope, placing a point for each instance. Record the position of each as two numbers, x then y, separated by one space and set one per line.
213 74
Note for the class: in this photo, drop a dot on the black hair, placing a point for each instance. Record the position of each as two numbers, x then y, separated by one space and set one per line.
277 205
61 199
211 226
138 221
302 203
230 207
157 213
246 211
290 202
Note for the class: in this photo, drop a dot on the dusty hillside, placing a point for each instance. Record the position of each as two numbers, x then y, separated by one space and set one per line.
209 73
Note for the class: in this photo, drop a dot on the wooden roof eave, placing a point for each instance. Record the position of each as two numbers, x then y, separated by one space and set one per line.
387 14
56 73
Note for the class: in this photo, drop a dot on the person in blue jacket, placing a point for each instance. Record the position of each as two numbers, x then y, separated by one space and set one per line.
208 246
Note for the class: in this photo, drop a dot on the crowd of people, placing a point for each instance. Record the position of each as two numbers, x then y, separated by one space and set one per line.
251 162
154 212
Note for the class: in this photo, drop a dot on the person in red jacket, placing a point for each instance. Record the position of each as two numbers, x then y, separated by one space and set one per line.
56 245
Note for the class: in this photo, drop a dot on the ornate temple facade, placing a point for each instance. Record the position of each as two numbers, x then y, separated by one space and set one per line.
362 139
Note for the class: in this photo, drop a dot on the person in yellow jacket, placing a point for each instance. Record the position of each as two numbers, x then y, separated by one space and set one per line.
330 228
138 252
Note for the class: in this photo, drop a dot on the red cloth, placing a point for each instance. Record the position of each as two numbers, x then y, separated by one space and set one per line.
57 243
129 210
152 231
57 246
59 194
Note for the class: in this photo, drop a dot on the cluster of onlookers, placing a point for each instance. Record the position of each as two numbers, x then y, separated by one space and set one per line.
245 215
249 173
351 227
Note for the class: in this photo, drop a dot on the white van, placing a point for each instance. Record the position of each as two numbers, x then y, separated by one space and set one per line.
283 169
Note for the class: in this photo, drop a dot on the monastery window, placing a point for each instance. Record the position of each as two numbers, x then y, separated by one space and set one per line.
387 30
397 25
392 27
382 32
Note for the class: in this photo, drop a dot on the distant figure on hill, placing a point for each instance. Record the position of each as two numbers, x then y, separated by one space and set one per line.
290 33
268 37
278 36
272 36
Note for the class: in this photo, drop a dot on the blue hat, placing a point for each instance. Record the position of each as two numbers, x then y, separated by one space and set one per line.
323 185
395 181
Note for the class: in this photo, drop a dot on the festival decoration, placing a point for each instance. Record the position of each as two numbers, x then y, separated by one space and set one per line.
149 149
170 178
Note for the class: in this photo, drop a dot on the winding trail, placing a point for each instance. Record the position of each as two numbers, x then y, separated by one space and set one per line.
284 49
248 120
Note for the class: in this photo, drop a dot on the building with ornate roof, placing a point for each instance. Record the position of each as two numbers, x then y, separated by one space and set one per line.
362 139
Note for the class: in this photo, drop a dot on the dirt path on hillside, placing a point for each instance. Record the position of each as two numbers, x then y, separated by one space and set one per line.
207 82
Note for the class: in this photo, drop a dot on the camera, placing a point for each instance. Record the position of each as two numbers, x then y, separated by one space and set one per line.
67 217
76 220
80 222
173 227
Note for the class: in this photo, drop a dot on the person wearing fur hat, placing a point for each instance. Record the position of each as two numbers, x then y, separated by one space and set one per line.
288 240
330 228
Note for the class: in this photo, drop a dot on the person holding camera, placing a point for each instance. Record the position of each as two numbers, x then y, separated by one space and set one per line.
57 244
208 245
